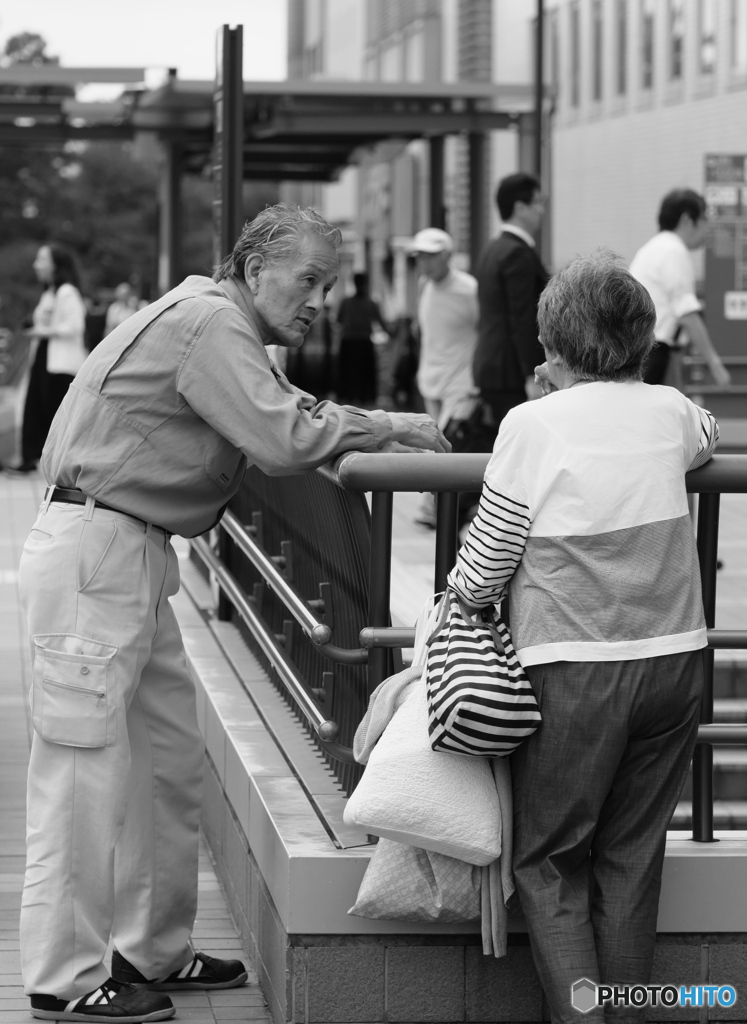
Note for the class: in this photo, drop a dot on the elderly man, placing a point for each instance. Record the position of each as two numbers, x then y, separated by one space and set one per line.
447 318
153 439
447 321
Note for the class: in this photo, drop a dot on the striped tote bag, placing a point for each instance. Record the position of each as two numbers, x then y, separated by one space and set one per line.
479 698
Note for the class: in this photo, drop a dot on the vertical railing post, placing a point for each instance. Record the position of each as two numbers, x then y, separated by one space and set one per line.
708 513
380 578
447 507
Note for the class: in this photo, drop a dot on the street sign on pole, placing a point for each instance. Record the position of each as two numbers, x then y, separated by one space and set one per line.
726 252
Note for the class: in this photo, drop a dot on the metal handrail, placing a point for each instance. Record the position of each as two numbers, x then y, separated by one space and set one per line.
318 632
326 729
370 471
404 636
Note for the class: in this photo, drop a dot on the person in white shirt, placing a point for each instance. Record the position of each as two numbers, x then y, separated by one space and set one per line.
447 320
58 334
665 268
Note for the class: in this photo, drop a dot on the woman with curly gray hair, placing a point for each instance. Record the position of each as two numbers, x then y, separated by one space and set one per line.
583 523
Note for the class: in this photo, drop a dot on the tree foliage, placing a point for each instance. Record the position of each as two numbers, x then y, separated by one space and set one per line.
99 198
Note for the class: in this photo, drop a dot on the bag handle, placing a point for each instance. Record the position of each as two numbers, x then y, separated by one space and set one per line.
488 616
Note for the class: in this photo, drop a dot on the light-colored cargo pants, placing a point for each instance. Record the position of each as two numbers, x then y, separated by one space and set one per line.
116 765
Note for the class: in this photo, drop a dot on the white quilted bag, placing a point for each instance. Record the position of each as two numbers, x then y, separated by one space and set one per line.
403 883
444 803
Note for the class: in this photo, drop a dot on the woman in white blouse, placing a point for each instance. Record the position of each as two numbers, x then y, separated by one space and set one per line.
58 330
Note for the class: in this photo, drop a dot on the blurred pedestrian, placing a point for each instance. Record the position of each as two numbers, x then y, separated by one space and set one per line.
664 266
153 439
124 305
510 278
357 317
58 348
584 523
447 320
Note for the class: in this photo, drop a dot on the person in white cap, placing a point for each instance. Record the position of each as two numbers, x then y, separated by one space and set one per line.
447 318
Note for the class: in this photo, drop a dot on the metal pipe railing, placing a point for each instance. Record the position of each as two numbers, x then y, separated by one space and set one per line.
702 767
325 728
382 475
369 471
318 632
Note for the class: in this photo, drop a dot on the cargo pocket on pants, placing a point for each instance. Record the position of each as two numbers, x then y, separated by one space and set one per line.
72 702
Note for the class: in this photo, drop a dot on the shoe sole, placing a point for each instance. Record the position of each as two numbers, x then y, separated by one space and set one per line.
92 1018
187 986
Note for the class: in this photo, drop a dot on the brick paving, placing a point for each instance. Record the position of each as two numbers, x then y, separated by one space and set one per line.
215 932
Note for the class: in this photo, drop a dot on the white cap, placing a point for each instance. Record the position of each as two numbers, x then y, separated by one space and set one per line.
432 240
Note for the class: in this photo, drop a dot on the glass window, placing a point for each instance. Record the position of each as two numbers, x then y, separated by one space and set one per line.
676 39
621 26
706 37
647 43
738 27
575 53
597 42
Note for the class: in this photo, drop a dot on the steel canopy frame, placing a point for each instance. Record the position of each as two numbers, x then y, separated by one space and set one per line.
292 130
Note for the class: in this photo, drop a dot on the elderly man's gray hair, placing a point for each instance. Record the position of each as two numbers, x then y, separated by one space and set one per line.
597 318
275 234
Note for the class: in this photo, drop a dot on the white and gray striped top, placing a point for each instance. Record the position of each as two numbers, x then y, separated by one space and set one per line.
584 516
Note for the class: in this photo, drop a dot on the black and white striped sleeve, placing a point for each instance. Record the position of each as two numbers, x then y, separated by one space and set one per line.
708 438
492 549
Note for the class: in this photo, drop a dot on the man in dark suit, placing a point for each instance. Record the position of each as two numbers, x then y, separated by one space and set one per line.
510 278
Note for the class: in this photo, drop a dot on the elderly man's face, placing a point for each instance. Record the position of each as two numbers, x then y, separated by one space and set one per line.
434 265
287 297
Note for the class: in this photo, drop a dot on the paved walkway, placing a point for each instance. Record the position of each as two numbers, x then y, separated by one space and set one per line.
214 930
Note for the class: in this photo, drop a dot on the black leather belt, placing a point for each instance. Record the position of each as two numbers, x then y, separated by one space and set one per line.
76 497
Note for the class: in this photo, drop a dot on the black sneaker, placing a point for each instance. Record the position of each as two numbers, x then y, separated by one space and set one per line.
202 972
113 1001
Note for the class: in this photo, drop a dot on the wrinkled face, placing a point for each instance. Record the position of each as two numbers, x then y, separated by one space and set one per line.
434 265
287 297
44 265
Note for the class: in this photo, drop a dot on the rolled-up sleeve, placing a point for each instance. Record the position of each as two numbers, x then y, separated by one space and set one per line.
226 378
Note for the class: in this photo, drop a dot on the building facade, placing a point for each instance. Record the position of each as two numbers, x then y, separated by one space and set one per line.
643 89
384 199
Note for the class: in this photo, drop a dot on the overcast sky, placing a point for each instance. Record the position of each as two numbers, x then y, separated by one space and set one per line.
153 33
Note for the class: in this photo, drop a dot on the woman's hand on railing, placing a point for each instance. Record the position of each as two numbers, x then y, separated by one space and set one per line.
416 431
542 379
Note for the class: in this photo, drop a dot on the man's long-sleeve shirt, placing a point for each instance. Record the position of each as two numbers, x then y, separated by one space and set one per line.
163 417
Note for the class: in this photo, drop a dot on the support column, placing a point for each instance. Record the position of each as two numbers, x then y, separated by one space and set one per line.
437 210
478 215
228 159
169 227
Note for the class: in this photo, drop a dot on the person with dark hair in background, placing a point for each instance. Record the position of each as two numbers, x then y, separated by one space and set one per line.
510 279
58 328
356 317
664 266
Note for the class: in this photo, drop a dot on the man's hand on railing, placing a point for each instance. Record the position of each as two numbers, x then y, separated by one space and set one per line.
412 430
